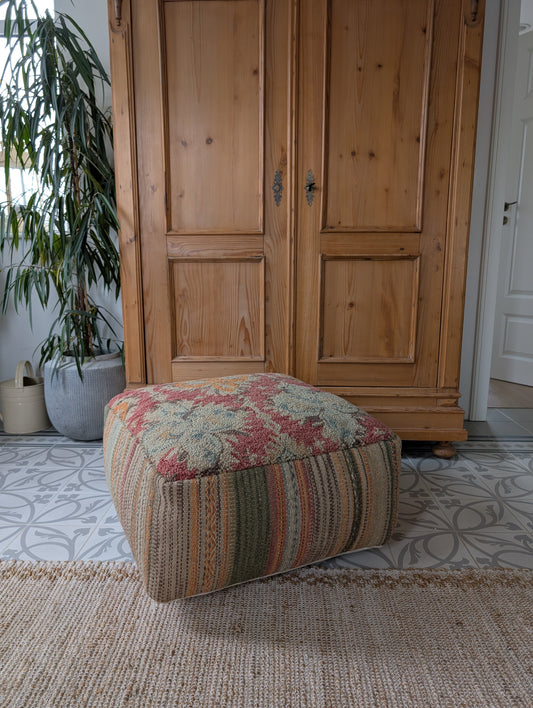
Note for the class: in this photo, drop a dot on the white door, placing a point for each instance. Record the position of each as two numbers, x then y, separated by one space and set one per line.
512 357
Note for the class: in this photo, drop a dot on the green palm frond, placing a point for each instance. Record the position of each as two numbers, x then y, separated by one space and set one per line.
61 238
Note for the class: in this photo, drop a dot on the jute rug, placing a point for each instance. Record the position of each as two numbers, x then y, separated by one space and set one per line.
84 634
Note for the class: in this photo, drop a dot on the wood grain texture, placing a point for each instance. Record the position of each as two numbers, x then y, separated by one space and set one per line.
216 246
435 119
389 394
458 225
370 244
279 158
311 81
215 68
218 309
223 66
441 100
368 309
149 81
120 50
423 423
198 369
292 181
378 60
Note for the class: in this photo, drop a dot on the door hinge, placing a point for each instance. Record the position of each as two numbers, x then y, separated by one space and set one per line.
118 12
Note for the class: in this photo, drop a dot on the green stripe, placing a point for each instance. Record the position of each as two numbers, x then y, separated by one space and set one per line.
252 522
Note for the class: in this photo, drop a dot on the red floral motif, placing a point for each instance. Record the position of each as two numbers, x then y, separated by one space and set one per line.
210 426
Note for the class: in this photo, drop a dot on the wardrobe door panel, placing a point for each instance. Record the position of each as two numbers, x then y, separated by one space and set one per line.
218 309
377 69
377 85
212 83
368 309
215 73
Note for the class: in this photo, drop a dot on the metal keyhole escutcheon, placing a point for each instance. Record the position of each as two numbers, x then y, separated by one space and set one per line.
310 187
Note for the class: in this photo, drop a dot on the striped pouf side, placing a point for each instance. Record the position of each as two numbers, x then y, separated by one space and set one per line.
220 527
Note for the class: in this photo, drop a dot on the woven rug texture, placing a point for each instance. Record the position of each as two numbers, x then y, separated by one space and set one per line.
85 634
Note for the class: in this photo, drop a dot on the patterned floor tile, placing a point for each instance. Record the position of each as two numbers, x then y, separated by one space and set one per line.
481 464
411 479
515 493
86 509
470 514
71 457
21 455
111 517
524 462
418 514
504 550
20 507
379 558
31 479
88 480
429 467
107 543
8 534
468 503
438 548
476 509
54 542
435 549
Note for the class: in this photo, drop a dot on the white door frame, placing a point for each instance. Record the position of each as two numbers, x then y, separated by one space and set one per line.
493 212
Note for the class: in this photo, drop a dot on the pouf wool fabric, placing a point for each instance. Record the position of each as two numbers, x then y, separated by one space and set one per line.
220 481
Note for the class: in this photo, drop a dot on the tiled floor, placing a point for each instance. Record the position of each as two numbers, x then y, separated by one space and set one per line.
502 422
505 394
473 510
54 501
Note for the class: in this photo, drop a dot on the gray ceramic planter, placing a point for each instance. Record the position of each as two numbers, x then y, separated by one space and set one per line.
75 407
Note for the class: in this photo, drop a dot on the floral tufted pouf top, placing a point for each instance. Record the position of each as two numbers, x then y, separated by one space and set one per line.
210 426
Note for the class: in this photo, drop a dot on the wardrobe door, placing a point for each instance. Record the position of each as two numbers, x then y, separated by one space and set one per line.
211 82
377 86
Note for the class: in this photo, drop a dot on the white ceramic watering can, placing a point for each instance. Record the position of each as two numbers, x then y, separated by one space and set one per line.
22 402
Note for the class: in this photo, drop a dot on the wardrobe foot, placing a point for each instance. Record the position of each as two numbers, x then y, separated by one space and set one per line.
444 449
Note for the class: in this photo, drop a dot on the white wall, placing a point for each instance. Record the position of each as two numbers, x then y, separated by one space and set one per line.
17 340
477 226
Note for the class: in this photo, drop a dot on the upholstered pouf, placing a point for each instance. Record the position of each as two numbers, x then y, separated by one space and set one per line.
223 480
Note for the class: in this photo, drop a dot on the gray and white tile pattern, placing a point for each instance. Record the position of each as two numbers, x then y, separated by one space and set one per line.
54 501
475 510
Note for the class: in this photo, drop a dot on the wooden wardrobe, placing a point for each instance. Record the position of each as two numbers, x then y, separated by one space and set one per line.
294 186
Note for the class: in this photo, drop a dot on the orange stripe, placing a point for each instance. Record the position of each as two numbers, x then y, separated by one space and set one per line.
345 497
225 540
306 511
367 497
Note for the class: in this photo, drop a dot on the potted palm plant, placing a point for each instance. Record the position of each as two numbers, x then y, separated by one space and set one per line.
59 233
